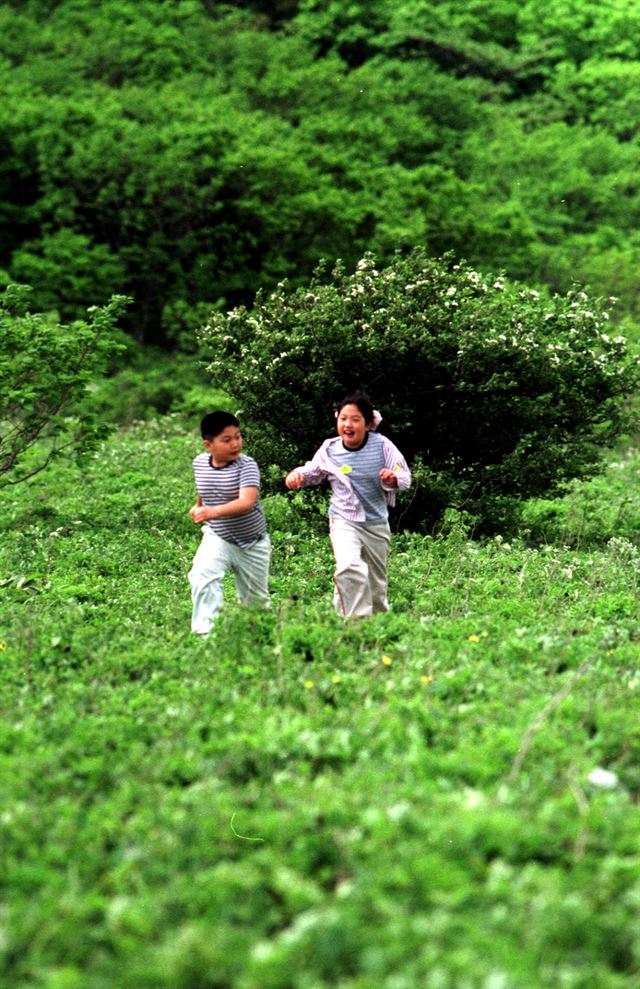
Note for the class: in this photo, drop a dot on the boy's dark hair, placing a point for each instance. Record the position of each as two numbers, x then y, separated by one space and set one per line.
214 422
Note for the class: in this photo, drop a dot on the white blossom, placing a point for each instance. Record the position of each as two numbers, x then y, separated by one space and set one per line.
603 778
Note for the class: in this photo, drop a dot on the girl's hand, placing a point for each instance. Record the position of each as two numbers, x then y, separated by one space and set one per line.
389 477
294 480
202 513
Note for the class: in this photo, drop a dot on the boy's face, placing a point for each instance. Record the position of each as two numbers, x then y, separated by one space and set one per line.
225 447
352 427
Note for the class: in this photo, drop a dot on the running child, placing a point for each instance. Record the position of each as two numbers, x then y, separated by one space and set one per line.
365 470
234 530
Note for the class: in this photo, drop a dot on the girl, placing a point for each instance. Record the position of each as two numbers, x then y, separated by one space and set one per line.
364 470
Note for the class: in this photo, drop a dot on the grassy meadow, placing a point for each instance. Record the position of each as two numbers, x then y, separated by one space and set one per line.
441 797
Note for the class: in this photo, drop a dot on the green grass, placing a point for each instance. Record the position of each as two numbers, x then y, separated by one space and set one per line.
300 803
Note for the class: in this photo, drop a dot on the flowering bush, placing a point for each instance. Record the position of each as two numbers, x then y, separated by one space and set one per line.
495 393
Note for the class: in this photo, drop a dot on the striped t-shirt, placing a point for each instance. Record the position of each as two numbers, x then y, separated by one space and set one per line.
218 485
362 467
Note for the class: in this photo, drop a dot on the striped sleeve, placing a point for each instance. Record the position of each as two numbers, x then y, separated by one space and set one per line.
393 460
249 474
312 472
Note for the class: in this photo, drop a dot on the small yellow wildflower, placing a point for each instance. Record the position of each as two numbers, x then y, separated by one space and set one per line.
387 660
3 646
308 684
474 638
425 679
484 635
336 678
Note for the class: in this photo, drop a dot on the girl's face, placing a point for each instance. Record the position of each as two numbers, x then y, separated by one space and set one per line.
352 427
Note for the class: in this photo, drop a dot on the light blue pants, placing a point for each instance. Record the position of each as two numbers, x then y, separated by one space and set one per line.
215 556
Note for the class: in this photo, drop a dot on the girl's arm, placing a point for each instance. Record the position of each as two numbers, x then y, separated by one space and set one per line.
395 475
294 480
309 474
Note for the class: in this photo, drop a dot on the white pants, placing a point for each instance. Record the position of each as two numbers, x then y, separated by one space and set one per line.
212 560
361 553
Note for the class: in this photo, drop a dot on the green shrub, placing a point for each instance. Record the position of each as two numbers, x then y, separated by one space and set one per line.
45 370
496 393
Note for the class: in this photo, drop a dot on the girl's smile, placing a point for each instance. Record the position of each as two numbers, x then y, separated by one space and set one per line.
352 427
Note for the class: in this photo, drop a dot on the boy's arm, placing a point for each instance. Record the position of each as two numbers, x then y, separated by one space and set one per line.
247 497
395 475
197 505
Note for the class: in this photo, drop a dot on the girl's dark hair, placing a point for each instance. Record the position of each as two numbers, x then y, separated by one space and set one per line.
214 423
364 403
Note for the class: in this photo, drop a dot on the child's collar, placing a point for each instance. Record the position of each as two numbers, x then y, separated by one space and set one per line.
354 449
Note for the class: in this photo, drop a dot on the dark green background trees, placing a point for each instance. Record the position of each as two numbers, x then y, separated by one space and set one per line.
189 154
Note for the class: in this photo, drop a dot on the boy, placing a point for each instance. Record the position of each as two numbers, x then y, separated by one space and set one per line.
234 534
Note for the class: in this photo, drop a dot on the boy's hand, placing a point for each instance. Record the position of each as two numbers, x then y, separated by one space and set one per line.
389 477
202 513
294 480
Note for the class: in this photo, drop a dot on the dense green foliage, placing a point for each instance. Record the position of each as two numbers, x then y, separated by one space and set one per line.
407 801
445 796
45 369
495 392
191 153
